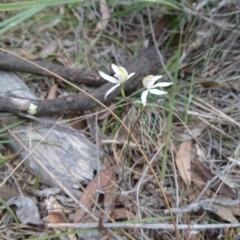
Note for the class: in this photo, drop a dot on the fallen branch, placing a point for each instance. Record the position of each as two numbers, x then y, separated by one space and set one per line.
146 63
11 63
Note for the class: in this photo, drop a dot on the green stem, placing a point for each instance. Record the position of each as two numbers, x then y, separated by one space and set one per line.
122 91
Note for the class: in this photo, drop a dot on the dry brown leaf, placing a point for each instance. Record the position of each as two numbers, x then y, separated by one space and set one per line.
52 94
235 209
27 54
91 193
7 192
137 173
111 191
210 84
118 155
160 24
48 49
218 186
123 214
57 215
64 61
106 162
55 211
200 184
101 25
110 195
183 161
225 213
192 235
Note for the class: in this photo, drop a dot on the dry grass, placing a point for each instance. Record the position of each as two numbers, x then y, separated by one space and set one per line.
202 107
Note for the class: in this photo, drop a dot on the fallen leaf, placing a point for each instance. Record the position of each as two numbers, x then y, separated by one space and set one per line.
110 195
27 211
27 54
225 213
90 194
160 23
52 94
48 49
57 215
7 192
218 186
123 214
210 84
188 134
235 209
183 161
101 25
137 172
55 211
192 235
198 185
64 61
106 163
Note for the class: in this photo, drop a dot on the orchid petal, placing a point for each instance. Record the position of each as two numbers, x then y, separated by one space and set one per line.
124 74
107 77
117 71
144 97
157 92
155 78
111 89
120 73
130 75
162 84
149 81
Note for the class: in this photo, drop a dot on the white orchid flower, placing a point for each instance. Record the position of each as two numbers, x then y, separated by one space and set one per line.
120 76
148 83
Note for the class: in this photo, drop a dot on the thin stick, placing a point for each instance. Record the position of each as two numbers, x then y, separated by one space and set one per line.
158 226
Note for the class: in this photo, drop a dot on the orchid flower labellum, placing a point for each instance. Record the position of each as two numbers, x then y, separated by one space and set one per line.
148 83
121 75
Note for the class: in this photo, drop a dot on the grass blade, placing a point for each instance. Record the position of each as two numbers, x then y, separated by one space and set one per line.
34 4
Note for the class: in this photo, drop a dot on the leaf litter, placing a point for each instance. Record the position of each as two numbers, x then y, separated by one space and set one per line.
211 50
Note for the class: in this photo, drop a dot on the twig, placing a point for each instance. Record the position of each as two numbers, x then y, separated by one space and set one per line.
195 206
158 226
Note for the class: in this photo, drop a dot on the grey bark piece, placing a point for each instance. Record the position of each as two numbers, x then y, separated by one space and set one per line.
67 153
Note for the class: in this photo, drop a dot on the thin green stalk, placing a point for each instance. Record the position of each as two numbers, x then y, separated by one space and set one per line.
122 91
189 99
170 114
